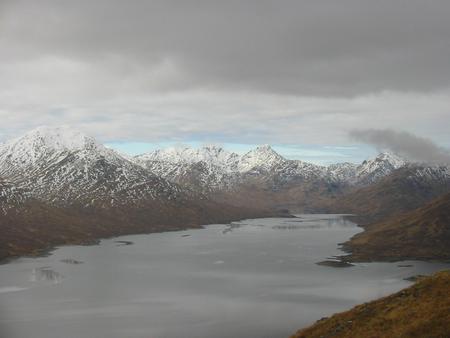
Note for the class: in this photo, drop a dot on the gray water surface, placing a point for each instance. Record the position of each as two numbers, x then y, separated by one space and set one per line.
254 278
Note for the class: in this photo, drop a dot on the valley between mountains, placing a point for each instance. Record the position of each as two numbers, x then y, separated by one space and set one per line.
59 186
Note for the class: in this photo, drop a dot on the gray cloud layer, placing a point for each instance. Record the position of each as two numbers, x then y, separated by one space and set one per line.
405 144
301 47
242 71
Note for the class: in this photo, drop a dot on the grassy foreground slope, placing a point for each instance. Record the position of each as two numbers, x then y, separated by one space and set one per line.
422 311
422 234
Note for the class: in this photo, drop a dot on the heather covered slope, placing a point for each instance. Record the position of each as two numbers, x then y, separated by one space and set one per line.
422 310
420 234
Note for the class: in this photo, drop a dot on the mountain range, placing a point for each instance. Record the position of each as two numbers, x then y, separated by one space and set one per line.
60 184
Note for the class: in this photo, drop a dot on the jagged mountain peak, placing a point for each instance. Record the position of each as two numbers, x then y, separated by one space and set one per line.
171 154
265 148
211 154
395 160
383 164
386 159
262 157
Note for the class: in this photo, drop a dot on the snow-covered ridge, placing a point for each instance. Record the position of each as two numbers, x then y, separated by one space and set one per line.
45 141
213 155
63 164
263 160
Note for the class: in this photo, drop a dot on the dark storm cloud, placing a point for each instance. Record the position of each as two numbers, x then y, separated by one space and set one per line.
295 47
405 144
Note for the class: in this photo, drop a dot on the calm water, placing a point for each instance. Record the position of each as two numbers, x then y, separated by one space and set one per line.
255 278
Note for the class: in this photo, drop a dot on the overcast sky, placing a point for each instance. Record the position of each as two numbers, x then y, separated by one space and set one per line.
288 73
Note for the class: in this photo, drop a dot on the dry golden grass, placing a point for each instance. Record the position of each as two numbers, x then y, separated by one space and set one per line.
422 311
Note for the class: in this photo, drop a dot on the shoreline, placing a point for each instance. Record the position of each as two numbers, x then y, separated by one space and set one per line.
348 258
47 250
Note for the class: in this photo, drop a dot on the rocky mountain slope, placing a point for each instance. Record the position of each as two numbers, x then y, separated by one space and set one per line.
421 310
421 234
10 196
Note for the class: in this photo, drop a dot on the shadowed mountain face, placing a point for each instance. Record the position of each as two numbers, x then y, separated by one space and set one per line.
422 234
10 196
403 190
418 311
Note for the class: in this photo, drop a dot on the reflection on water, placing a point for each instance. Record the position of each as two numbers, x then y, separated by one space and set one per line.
71 261
326 222
295 227
120 243
239 225
232 226
45 274
7 289
295 220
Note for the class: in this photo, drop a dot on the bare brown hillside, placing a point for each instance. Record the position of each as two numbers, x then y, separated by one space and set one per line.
420 234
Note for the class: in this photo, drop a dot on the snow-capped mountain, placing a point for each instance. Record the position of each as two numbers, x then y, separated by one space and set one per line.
211 155
211 168
382 165
208 168
261 159
62 165
369 171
